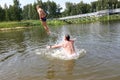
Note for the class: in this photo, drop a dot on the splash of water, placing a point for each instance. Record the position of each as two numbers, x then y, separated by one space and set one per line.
59 53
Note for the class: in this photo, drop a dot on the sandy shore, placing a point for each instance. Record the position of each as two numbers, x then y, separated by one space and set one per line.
4 29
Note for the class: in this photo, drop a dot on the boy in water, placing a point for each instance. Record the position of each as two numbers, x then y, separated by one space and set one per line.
67 45
42 16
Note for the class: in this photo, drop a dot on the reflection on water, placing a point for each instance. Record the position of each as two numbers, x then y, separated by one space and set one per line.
69 66
60 68
50 72
19 61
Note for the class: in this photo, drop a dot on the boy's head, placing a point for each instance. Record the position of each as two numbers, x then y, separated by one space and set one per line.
67 37
38 6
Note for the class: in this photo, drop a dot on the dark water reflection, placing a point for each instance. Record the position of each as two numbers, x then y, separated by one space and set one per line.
19 61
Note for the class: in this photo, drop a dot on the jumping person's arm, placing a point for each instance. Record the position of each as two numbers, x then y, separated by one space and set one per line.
39 13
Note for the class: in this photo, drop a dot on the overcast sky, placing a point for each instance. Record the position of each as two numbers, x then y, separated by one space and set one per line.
61 2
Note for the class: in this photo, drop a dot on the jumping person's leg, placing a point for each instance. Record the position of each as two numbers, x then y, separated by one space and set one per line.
45 26
44 23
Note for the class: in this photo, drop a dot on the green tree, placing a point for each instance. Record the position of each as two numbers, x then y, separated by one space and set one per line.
52 8
74 9
69 7
58 11
79 8
2 14
25 12
30 11
95 6
34 12
17 10
118 4
6 13
11 13
105 4
85 8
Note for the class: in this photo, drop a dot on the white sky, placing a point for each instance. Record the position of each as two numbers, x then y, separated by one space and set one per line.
25 2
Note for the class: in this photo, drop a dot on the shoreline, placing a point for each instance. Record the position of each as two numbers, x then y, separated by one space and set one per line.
13 28
4 26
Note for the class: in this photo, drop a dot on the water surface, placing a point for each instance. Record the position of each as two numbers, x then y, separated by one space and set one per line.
19 61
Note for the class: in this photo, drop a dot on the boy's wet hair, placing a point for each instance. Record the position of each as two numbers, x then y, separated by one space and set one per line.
38 6
67 37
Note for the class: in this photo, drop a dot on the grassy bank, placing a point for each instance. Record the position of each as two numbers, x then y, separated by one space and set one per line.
28 23
110 18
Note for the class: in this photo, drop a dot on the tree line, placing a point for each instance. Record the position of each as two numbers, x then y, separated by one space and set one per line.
28 12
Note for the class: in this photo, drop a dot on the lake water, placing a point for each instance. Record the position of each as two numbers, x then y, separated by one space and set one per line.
19 61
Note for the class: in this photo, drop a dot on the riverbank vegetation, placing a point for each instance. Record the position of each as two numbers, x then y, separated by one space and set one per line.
55 22
115 17
28 23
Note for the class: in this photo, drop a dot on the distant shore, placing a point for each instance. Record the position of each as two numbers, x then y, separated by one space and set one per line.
4 29
29 23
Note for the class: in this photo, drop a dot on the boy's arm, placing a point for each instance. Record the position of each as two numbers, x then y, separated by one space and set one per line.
55 46
39 12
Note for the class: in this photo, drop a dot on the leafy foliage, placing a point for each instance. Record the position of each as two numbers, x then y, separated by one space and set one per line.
28 12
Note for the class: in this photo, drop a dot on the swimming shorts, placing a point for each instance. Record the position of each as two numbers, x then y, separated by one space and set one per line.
43 19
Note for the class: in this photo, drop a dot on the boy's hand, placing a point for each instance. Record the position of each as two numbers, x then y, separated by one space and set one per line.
48 47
